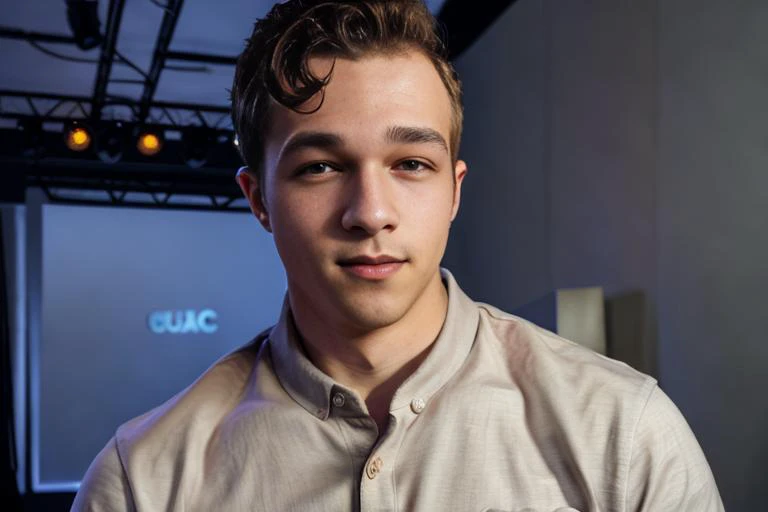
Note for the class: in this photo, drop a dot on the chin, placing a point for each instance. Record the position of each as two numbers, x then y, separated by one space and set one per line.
374 313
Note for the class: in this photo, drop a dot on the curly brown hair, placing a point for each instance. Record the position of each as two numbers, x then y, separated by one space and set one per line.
275 63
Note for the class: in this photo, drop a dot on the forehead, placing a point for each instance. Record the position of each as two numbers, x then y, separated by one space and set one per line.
367 96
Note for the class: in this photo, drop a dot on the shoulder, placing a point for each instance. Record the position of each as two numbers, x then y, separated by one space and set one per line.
137 467
574 382
139 463
198 407
105 485
598 413
514 335
668 469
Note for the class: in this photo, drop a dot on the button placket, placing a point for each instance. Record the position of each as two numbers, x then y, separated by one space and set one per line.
377 485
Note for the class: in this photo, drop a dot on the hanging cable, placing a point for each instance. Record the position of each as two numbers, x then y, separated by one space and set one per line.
57 55
121 60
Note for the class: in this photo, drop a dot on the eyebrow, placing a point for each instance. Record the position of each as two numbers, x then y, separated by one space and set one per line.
415 135
304 140
395 135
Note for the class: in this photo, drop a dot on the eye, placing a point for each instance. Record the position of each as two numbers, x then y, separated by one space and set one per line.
317 169
412 166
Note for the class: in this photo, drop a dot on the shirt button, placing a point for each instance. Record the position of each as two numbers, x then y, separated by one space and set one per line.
374 468
338 400
417 405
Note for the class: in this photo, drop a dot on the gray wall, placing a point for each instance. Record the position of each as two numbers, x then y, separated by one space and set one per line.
623 144
712 222
504 220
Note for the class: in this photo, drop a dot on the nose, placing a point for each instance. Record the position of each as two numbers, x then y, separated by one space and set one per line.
370 205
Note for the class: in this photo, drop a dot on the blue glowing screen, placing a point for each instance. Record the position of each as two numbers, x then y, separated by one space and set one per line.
135 304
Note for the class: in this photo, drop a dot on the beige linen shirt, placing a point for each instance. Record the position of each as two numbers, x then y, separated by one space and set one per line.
502 415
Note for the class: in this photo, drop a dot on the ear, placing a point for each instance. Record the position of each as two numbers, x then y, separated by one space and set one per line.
460 170
251 187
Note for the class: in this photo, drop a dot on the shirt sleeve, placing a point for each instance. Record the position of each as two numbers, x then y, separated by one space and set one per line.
668 470
105 486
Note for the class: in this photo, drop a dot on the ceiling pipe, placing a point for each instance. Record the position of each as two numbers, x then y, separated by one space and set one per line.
173 105
201 58
38 37
107 56
168 26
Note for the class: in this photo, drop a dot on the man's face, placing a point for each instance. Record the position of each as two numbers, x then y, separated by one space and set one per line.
360 194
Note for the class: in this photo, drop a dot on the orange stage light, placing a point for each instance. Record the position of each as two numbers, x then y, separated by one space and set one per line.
149 144
79 139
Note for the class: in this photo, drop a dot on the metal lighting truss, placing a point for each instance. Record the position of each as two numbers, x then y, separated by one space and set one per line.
162 182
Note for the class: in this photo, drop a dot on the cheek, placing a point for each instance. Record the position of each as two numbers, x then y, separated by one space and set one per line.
431 206
292 228
296 225
297 249
430 218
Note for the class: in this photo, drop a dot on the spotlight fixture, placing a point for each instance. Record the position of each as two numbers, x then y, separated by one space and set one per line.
111 143
197 144
78 137
83 17
149 142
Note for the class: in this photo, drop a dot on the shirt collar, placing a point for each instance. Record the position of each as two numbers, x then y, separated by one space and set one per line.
312 389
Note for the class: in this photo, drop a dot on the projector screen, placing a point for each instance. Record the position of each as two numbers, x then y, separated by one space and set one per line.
134 304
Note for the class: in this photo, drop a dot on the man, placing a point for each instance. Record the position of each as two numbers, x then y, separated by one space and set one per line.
382 386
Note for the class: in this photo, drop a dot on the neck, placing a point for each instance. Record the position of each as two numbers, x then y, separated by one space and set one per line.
374 362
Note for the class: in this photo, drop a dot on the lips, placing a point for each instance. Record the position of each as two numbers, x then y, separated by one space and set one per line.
372 268
370 260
